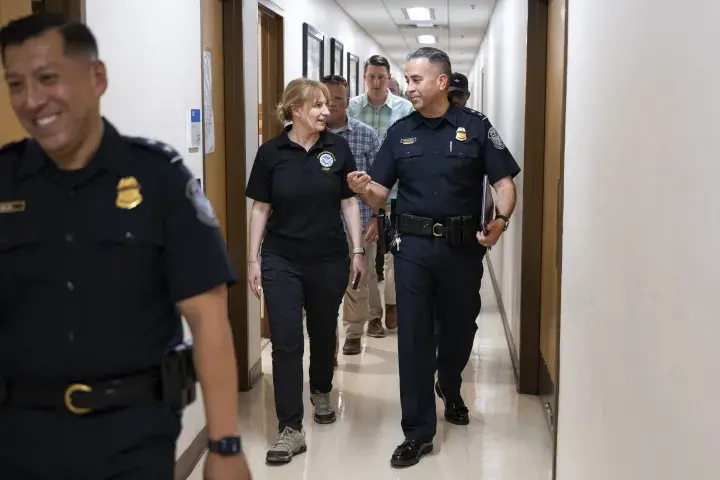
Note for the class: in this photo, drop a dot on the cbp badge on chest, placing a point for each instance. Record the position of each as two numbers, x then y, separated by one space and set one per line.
460 134
327 159
128 193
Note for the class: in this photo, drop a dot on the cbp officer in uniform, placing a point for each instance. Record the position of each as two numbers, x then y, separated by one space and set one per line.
105 241
439 154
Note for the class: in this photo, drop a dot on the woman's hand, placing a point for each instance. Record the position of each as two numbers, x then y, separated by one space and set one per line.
254 277
357 267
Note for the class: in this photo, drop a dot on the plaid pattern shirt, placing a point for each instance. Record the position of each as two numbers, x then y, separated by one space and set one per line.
364 145
381 119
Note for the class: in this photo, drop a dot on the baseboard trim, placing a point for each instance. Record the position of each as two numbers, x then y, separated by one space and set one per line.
256 373
190 458
506 323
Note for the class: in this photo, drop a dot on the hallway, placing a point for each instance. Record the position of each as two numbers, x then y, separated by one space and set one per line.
507 438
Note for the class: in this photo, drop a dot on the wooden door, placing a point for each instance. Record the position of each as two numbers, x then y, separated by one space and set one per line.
10 128
74 9
214 162
552 207
270 88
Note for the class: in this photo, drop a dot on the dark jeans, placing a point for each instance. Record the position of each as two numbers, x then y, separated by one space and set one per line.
288 287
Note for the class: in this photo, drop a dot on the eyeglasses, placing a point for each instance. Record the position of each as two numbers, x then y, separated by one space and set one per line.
334 79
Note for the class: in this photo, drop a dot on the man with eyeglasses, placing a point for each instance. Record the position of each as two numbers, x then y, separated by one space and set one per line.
361 304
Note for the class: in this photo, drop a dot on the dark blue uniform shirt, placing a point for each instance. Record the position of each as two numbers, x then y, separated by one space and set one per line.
440 162
92 262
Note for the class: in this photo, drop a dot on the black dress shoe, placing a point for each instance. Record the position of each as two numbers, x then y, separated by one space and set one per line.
455 410
410 453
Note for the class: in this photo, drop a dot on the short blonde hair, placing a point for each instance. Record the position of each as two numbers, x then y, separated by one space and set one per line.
298 93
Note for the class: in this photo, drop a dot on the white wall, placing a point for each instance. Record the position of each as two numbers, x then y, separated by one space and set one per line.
640 332
503 56
330 19
154 66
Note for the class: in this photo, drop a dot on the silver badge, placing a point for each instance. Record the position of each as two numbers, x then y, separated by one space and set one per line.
496 140
203 207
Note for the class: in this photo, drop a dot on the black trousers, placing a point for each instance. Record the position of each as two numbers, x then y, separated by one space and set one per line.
434 282
288 288
131 444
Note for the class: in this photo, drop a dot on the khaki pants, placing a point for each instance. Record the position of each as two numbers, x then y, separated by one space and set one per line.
362 304
389 274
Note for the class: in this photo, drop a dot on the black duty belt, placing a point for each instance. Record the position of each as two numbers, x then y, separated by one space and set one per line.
457 231
81 398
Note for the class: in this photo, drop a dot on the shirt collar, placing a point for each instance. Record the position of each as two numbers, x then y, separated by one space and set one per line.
389 100
451 116
325 139
108 155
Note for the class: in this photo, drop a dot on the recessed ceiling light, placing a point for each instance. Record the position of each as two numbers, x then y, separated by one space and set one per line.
427 39
419 14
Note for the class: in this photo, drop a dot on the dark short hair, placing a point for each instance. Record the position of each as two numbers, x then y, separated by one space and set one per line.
77 37
377 61
434 56
336 80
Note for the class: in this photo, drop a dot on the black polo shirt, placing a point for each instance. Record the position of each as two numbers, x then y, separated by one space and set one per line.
92 262
304 189
440 162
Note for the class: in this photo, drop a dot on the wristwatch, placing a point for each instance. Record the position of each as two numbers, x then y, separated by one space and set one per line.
226 446
504 219
359 251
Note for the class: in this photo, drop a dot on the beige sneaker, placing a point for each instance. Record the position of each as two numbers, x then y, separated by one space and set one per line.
288 444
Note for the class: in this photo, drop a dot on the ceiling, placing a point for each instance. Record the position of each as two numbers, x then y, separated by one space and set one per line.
459 26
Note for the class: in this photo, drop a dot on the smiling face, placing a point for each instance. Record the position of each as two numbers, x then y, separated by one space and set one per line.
426 83
55 96
313 114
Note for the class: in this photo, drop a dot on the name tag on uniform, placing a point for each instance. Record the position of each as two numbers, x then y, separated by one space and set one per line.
408 141
15 206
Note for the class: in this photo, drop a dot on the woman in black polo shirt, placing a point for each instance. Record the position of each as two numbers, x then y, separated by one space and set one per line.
299 187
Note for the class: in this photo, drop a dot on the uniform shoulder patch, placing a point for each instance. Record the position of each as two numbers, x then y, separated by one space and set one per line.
14 147
163 149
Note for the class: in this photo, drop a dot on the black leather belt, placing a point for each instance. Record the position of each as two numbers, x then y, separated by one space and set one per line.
459 230
81 398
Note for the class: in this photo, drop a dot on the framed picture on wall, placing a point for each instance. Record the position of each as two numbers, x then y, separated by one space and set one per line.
313 53
353 74
336 57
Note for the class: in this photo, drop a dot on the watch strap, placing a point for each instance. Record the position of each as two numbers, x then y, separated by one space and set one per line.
504 219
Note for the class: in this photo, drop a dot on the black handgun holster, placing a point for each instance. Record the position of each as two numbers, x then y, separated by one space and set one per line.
178 378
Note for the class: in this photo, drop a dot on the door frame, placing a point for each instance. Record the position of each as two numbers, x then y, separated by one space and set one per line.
236 203
532 374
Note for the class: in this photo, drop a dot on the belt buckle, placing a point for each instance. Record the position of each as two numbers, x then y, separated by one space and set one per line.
434 230
70 391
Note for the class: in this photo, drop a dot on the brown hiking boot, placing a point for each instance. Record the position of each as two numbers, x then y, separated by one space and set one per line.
390 317
353 346
375 328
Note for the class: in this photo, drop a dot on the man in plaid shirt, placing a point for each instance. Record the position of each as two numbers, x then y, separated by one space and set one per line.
364 304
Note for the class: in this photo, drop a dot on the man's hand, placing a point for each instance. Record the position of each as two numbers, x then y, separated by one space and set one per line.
358 182
495 229
226 468
371 231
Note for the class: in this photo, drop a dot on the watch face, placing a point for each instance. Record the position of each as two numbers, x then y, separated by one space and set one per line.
226 446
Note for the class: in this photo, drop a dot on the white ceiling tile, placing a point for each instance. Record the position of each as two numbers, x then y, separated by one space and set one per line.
459 28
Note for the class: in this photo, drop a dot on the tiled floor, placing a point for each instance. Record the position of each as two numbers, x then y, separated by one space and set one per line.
506 440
